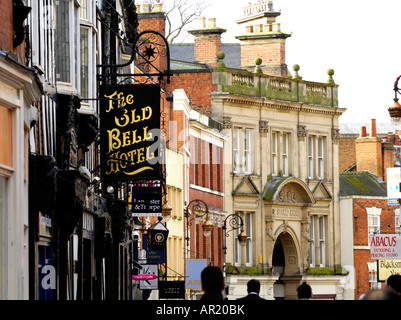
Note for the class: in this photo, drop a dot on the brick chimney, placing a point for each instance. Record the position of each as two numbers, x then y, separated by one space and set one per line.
369 152
262 38
207 41
388 153
152 17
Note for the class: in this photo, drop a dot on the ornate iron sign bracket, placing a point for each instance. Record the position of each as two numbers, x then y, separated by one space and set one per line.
151 52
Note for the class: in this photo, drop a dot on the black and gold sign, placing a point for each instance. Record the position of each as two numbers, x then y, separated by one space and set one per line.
130 132
157 239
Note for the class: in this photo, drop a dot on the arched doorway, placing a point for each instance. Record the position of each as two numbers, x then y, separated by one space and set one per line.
285 262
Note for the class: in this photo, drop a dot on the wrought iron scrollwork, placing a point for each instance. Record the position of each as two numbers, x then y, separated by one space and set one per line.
235 222
151 53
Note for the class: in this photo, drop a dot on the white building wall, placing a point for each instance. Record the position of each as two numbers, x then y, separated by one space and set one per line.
19 90
347 246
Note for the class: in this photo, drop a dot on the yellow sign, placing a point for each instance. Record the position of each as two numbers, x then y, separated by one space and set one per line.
386 268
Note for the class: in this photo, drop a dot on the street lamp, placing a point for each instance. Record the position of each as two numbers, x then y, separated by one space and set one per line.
235 222
395 109
200 210
166 211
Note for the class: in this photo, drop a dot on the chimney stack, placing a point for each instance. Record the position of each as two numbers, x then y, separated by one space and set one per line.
207 41
368 149
262 38
151 18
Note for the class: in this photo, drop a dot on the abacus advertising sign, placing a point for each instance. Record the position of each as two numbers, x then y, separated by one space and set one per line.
385 247
130 132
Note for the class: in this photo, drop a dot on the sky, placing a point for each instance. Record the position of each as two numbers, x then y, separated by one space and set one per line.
359 39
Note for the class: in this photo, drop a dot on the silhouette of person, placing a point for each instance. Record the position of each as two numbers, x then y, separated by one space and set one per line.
394 282
381 294
304 291
212 283
253 288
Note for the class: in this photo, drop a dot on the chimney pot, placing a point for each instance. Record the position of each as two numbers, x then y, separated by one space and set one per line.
201 22
211 23
373 131
363 132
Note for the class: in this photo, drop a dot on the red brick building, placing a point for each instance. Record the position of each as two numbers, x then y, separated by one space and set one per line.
364 207
197 136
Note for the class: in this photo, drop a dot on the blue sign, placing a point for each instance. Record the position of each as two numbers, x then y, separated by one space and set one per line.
153 256
193 276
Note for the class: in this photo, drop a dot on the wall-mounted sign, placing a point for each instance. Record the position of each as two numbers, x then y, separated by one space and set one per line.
171 289
385 247
130 132
386 268
149 269
393 186
194 269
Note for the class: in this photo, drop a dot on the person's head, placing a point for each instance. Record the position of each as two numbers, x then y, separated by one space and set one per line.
381 294
394 282
253 286
212 279
304 291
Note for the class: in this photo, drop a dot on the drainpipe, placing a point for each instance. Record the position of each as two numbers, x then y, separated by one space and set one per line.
169 98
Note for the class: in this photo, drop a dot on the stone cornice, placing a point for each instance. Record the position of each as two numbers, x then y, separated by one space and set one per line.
261 102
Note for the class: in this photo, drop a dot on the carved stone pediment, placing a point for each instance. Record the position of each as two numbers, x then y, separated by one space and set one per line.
321 192
287 196
246 187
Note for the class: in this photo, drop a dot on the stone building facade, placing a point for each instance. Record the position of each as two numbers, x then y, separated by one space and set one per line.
280 172
281 165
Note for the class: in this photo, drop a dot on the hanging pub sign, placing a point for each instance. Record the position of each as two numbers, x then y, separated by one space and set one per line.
130 132
145 198
157 236
153 256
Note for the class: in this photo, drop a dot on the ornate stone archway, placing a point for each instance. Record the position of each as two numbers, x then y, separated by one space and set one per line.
286 251
290 252
287 205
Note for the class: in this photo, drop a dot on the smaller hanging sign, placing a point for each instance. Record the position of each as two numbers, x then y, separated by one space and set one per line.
144 277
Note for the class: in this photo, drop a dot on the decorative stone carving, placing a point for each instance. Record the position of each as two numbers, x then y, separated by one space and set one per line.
286 195
269 230
335 135
302 132
227 124
263 126
305 231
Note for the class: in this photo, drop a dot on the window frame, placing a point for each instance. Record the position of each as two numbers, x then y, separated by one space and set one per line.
247 218
311 152
284 154
63 75
320 157
248 151
84 58
322 240
243 150
373 215
274 152
236 150
312 253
